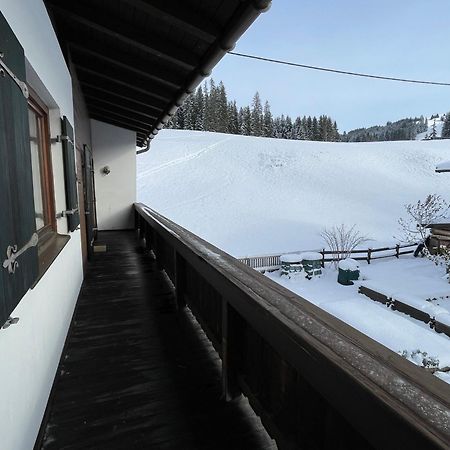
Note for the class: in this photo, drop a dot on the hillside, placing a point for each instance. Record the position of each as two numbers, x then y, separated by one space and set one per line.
400 130
417 128
253 195
436 122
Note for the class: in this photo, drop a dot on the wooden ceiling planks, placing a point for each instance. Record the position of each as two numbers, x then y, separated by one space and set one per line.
136 59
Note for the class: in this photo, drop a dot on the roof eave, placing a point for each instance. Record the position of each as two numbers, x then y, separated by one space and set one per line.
242 19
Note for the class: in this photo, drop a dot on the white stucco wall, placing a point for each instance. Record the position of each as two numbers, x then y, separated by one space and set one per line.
116 192
30 350
31 25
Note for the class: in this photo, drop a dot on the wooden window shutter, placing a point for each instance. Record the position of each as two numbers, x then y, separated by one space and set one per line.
70 175
17 221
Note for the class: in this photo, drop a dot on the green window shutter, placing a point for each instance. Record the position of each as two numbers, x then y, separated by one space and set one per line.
70 174
17 221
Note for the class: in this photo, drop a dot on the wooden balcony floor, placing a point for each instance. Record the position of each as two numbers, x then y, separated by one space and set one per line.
137 374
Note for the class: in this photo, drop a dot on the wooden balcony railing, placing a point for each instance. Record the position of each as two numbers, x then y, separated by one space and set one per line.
316 382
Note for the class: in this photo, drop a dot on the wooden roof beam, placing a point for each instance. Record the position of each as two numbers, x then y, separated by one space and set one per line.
152 71
123 77
126 117
92 100
129 85
137 101
179 15
117 122
116 28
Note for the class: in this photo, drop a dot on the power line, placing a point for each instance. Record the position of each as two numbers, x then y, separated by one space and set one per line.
342 72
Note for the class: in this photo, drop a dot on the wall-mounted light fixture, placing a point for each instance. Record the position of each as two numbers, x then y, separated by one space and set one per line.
105 170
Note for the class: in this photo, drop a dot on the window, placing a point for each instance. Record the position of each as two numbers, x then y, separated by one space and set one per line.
41 166
50 242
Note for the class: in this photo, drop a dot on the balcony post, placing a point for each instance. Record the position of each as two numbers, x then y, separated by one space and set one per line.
230 348
180 280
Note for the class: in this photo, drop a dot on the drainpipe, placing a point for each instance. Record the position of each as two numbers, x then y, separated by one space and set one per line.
144 149
241 20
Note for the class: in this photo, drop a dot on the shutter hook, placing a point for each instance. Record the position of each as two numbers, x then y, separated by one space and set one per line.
9 322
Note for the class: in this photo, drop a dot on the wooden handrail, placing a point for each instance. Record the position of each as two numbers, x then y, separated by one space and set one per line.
296 363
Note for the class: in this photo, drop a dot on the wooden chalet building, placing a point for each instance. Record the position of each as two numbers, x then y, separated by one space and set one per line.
99 346
439 235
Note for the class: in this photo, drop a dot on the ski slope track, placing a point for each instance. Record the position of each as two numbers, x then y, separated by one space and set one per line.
254 196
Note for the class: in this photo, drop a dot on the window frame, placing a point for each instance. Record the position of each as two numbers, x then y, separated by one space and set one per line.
41 111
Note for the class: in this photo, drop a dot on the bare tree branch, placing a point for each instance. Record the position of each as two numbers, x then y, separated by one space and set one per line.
341 240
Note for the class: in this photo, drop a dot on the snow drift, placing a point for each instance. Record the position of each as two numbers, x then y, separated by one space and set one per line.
253 195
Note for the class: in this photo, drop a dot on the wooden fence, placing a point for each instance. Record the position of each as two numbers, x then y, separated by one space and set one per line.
269 262
315 381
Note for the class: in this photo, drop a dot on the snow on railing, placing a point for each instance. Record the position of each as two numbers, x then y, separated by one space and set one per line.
270 262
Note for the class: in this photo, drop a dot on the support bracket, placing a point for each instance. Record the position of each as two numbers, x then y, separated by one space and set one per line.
61 138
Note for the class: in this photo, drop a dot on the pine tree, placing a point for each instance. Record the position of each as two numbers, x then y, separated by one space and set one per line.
446 127
433 134
257 116
246 124
189 113
303 129
297 128
315 129
288 128
277 127
206 109
336 135
280 127
210 119
267 121
199 108
178 119
240 119
322 128
309 129
233 118
221 124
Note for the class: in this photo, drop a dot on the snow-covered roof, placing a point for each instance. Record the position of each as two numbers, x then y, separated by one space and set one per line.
441 221
443 167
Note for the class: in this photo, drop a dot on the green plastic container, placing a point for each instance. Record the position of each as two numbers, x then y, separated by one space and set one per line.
290 264
348 272
312 264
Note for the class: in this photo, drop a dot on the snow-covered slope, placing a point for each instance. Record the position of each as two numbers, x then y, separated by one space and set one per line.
438 122
251 195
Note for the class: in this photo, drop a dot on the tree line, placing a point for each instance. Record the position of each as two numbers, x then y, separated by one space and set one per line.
208 109
401 130
446 127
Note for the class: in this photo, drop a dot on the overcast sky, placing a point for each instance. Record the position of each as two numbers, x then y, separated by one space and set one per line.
401 38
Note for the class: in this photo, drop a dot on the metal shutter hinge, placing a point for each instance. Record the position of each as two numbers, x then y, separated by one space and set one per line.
4 69
67 212
61 138
12 253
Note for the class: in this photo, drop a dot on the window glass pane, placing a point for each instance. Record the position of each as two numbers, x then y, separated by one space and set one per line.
35 143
